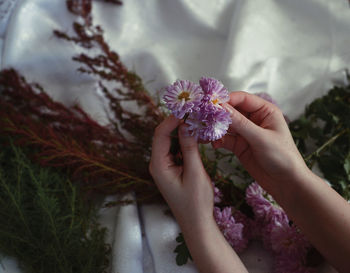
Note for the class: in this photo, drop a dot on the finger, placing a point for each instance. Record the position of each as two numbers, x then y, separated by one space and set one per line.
235 144
162 140
256 109
242 125
189 148
246 102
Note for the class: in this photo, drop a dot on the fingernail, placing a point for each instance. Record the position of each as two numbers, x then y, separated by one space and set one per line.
228 108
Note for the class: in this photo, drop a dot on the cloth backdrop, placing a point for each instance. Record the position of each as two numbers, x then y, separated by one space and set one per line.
292 49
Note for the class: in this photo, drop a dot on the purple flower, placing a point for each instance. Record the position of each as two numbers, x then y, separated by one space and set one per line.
208 125
276 233
206 118
248 223
285 238
217 123
214 91
194 120
260 205
182 96
284 263
232 231
217 194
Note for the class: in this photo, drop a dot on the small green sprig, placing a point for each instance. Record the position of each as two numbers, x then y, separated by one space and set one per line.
45 223
181 250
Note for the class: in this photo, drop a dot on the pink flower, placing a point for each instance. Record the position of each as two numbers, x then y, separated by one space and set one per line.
217 195
249 225
232 231
200 106
214 91
289 240
208 124
276 221
260 205
182 97
284 263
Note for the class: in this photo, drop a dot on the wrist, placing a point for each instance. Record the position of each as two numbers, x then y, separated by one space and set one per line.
209 249
197 225
287 191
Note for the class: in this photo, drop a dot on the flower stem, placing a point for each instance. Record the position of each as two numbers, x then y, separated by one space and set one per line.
325 145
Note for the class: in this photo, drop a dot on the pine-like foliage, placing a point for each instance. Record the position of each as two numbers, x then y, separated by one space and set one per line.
45 224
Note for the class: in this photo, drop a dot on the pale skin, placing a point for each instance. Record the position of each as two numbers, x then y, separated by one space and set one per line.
260 138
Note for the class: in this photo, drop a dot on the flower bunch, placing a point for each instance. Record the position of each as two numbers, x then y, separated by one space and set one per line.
200 105
278 234
233 224
270 224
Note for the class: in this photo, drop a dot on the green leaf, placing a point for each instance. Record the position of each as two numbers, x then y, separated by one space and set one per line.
181 250
347 166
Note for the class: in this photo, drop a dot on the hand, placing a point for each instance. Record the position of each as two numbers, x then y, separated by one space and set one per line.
189 193
260 138
187 188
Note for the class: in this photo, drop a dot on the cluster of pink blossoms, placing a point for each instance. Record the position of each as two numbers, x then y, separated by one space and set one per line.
200 106
270 224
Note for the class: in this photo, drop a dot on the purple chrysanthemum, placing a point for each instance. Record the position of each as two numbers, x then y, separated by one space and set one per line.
217 194
232 231
285 263
194 120
217 123
287 239
214 91
182 96
255 198
276 231
209 125
207 119
275 224
264 207
248 223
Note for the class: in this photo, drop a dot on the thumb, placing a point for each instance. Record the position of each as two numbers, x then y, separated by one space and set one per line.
189 149
243 126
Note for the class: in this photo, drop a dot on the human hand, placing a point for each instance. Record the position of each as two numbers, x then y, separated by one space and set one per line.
189 193
186 188
260 138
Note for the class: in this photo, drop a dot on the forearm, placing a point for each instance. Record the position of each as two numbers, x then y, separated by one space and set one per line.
209 249
322 214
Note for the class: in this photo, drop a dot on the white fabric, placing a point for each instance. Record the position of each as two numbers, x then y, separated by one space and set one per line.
6 8
292 49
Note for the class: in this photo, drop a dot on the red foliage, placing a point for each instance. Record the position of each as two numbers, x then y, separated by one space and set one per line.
110 160
109 70
83 7
68 138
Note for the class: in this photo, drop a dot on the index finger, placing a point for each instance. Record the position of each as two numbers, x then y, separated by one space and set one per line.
246 102
162 138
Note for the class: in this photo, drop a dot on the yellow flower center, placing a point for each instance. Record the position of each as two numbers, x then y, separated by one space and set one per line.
184 95
215 101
